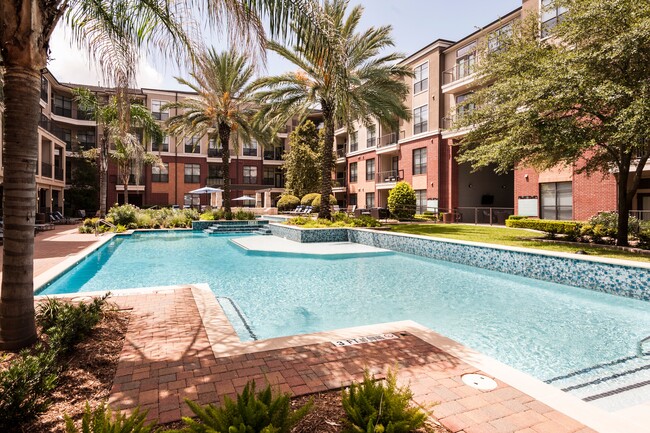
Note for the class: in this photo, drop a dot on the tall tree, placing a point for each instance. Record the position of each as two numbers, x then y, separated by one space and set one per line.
580 98
349 79
127 25
223 108
301 160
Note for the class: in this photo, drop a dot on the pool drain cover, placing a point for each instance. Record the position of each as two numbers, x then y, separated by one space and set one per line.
479 381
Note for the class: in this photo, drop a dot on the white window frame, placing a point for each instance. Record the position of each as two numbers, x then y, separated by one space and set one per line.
422 78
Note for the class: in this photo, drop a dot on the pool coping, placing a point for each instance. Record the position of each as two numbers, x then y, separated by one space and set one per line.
225 342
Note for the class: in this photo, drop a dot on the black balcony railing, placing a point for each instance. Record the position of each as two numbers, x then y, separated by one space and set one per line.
46 169
340 152
58 173
338 183
458 72
273 154
215 153
390 176
387 140
215 181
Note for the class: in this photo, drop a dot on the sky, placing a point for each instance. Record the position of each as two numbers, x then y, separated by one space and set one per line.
416 23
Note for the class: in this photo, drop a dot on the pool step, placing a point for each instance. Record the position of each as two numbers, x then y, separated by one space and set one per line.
237 227
617 383
265 231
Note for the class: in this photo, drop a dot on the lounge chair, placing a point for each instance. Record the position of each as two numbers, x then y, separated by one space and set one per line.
55 219
307 210
297 210
350 210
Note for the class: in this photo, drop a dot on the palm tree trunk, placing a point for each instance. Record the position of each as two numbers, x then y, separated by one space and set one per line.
20 157
224 138
103 172
326 161
623 207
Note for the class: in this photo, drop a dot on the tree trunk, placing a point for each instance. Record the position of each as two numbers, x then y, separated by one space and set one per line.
327 162
224 138
624 202
20 157
103 172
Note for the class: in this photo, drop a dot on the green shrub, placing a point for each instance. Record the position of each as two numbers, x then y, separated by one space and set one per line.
243 215
308 199
609 224
288 202
26 386
365 221
219 214
341 217
316 202
644 236
251 413
552 227
86 230
144 220
402 201
124 214
380 406
66 324
102 420
517 217
298 221
208 215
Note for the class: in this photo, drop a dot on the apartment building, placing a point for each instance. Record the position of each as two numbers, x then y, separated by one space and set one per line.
370 159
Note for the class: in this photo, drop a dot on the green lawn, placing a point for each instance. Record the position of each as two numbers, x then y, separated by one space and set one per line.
507 236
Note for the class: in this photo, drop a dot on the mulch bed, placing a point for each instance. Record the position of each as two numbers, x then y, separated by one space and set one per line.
88 375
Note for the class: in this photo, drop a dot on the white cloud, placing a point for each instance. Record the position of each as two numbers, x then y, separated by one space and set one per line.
72 65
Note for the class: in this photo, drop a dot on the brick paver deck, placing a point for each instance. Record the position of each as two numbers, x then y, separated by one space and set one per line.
167 357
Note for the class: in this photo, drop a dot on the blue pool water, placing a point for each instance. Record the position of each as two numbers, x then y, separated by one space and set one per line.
547 330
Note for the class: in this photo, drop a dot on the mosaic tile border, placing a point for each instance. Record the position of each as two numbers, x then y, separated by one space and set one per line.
202 225
628 281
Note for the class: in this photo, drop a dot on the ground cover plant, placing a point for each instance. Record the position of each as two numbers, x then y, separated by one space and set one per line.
339 219
509 236
28 380
374 406
252 412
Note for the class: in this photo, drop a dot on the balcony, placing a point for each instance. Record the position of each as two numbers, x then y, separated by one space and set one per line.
388 179
273 154
449 128
215 153
58 173
275 183
388 143
340 154
46 170
458 78
338 184
215 181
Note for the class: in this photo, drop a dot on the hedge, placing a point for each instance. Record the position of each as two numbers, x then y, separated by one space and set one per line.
549 226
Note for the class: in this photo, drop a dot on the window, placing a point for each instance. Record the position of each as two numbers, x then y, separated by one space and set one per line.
44 88
160 173
157 111
354 141
192 173
420 161
557 200
250 174
421 119
86 139
370 200
353 199
163 146
465 61
420 200
372 136
353 172
269 175
250 148
62 105
215 150
497 38
370 169
463 109
193 145
421 80
551 16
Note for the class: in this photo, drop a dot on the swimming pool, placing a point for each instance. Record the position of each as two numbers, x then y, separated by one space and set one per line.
579 340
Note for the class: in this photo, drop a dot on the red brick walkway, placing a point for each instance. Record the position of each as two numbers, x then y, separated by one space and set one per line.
167 357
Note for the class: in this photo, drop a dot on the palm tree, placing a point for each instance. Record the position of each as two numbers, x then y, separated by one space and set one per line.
223 108
349 79
113 31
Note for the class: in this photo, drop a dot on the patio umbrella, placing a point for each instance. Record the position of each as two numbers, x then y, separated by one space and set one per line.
205 190
243 198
